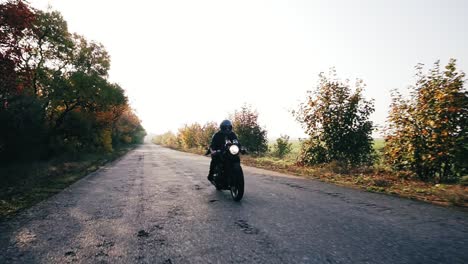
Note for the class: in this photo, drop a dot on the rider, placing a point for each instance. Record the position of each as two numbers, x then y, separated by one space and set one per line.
217 143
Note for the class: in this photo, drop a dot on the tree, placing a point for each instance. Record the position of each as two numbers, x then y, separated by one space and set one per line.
428 132
54 88
282 146
337 121
251 135
168 139
90 57
16 20
207 132
49 47
21 117
93 97
8 77
188 136
127 129
22 130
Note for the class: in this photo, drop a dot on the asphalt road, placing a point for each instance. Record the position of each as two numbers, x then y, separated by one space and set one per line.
154 205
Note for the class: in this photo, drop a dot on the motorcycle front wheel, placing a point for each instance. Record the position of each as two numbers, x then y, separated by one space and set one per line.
237 186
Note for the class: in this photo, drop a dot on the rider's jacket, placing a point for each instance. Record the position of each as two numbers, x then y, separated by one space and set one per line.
219 139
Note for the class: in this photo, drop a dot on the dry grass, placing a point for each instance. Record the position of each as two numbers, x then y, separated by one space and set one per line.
372 179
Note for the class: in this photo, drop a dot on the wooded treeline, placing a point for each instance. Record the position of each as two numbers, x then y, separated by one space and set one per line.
54 90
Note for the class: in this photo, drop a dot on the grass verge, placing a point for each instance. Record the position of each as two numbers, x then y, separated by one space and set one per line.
373 179
24 184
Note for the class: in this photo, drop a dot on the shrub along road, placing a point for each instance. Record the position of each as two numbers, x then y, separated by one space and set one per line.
155 206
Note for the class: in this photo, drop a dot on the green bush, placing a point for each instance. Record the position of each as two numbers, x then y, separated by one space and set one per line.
337 121
251 135
282 147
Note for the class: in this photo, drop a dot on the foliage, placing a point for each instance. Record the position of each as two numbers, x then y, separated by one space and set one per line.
22 130
247 128
193 136
208 130
16 18
54 92
196 135
127 128
188 135
337 121
167 139
77 134
106 139
427 133
282 147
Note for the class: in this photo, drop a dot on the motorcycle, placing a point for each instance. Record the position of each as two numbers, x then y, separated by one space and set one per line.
228 173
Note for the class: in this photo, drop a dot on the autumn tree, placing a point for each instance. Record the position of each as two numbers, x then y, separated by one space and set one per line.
337 120
167 139
207 132
21 117
188 136
247 128
16 21
127 129
427 132
54 89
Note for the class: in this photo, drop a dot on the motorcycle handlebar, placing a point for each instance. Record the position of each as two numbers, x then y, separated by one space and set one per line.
243 151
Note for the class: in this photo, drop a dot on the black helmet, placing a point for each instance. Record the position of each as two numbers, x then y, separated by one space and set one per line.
226 126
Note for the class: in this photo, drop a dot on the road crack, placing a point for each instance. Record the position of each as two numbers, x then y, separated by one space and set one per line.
246 227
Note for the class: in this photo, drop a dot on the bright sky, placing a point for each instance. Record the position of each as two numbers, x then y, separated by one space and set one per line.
197 61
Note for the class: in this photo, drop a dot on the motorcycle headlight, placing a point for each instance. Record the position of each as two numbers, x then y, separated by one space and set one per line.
234 149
